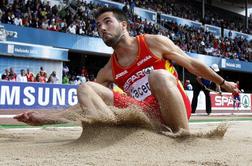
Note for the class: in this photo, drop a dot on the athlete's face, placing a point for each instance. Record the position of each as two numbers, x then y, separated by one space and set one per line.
109 28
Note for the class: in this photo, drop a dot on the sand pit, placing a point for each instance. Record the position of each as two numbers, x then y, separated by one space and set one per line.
124 146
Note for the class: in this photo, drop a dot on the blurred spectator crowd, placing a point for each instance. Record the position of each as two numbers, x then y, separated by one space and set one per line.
199 40
28 76
81 76
77 18
192 10
76 78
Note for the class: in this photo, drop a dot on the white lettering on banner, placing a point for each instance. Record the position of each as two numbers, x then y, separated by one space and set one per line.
234 65
36 96
30 100
223 101
20 50
43 92
72 97
59 96
10 97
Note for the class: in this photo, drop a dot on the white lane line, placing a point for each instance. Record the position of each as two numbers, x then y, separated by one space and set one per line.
196 114
44 128
7 116
223 114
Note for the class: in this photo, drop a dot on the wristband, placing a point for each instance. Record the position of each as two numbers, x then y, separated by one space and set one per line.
222 83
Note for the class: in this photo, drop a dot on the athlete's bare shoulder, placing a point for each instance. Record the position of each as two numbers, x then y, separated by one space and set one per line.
151 36
105 75
158 44
156 40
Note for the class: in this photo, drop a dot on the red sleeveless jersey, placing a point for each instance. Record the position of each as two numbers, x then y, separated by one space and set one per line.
133 79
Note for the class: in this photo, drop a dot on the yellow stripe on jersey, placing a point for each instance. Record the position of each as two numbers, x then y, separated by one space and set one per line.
117 89
169 67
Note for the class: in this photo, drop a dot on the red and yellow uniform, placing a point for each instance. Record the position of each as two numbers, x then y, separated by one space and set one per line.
133 80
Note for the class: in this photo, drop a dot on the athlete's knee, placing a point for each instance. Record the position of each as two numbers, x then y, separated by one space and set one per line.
83 89
157 78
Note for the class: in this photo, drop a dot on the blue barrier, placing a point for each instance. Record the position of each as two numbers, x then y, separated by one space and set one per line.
234 65
146 14
225 64
214 29
16 95
208 60
33 51
56 39
234 34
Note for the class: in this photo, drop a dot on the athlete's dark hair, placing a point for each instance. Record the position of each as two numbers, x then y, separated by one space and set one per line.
119 15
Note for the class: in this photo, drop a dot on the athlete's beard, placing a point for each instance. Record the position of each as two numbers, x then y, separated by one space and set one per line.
113 41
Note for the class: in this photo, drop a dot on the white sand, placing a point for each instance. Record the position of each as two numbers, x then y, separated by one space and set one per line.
124 146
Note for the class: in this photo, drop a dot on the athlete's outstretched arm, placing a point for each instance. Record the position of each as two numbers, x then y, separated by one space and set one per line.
166 49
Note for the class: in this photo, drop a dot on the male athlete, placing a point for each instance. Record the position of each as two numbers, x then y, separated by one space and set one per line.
142 67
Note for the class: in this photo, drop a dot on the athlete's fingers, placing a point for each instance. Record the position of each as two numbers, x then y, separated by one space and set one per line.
20 117
24 117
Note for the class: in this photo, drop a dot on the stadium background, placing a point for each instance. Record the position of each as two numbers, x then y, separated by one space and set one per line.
55 34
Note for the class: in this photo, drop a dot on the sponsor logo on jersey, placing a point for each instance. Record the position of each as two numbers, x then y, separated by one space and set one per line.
121 74
143 60
136 76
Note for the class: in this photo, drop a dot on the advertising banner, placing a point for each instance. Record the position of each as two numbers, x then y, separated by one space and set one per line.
225 64
235 65
226 102
234 34
21 96
146 14
15 95
223 103
55 39
214 29
33 51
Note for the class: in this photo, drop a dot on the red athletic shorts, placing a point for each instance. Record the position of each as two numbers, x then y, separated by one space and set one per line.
150 105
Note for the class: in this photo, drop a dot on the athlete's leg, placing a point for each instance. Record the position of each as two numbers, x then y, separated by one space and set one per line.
164 87
93 101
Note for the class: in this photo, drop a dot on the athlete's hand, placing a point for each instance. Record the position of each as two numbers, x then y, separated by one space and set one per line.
230 87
